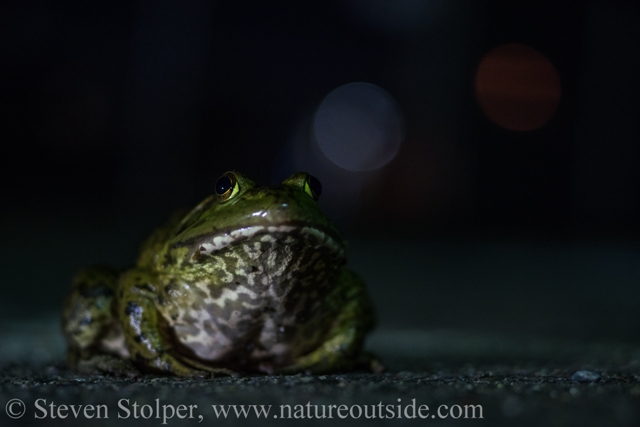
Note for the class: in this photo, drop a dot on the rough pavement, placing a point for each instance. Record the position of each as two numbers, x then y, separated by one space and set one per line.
517 381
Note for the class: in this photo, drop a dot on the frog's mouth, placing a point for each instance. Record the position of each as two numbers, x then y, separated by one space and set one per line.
219 241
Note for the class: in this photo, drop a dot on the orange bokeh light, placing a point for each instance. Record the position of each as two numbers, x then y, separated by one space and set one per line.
517 87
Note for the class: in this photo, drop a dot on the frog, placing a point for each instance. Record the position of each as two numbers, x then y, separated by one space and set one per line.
252 280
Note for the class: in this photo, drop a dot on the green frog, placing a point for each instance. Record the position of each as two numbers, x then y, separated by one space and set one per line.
252 279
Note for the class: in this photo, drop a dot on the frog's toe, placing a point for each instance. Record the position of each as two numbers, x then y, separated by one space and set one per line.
207 375
107 364
167 364
204 375
210 371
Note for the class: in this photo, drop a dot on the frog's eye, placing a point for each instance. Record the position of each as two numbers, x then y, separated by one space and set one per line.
313 187
227 186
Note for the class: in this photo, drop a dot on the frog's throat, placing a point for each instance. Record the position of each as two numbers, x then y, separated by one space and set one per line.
222 240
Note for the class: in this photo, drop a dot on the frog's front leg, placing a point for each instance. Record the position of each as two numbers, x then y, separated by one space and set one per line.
342 348
149 349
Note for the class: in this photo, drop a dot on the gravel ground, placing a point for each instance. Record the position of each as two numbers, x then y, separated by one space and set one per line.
532 332
516 381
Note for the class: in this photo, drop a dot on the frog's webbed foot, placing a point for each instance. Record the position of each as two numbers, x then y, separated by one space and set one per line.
336 354
333 355
210 369
166 363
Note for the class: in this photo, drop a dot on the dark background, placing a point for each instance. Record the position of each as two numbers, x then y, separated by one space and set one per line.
117 113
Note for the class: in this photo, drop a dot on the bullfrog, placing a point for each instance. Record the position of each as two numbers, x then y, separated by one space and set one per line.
253 279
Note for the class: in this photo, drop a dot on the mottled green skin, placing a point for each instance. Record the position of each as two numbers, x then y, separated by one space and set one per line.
256 283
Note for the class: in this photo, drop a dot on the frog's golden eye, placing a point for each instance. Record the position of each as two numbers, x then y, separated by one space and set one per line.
227 186
313 187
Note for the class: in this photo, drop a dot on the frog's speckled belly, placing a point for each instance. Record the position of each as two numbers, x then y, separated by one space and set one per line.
272 305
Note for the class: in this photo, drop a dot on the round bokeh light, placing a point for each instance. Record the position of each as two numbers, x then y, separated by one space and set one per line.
358 127
517 87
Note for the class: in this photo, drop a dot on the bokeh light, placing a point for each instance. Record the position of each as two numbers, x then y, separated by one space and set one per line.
517 87
358 127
